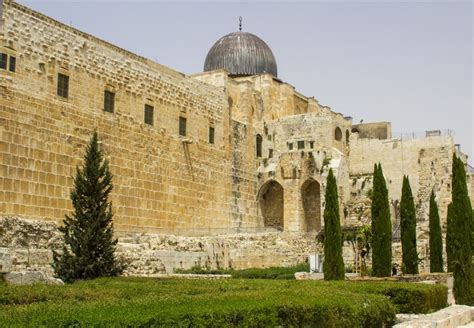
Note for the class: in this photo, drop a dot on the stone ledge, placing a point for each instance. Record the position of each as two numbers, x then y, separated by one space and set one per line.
450 317
30 277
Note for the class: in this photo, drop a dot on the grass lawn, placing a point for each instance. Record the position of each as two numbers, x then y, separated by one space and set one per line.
148 302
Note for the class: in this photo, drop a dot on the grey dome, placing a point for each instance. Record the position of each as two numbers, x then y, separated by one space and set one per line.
241 54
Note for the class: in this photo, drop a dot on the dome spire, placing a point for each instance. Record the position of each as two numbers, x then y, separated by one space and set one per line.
240 23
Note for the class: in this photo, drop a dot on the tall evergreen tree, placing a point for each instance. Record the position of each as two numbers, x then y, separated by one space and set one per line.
381 226
89 246
436 241
408 229
459 222
333 263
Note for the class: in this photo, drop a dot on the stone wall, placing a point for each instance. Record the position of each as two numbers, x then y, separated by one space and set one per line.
163 182
427 162
27 245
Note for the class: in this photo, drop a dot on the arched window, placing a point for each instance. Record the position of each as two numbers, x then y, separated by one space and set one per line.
258 145
338 134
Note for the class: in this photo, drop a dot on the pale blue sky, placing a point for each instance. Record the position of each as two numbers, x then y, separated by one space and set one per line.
405 62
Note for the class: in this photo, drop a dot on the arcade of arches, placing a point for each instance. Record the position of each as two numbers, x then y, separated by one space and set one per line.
271 205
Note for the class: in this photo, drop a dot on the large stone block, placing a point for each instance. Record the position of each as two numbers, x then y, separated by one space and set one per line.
5 260
30 277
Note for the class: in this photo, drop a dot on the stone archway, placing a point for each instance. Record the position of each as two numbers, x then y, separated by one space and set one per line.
311 196
338 134
270 200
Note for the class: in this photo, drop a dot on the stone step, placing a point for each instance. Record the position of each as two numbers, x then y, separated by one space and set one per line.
450 317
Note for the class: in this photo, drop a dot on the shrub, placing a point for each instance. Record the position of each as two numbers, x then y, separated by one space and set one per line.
271 273
407 297
209 303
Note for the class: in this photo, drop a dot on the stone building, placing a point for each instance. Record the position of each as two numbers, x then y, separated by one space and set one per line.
200 162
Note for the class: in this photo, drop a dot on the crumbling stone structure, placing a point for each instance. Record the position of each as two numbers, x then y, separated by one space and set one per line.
222 152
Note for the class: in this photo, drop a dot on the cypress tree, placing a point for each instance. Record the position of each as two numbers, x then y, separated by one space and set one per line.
333 263
381 226
436 241
408 229
89 246
460 215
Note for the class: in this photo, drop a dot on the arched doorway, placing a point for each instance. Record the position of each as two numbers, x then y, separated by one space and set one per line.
270 199
311 196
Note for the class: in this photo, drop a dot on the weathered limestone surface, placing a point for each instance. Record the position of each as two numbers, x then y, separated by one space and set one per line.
450 317
167 185
26 245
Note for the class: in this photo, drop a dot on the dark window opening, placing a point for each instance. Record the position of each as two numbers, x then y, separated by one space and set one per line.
338 134
63 85
311 144
149 114
211 135
259 145
109 101
3 61
12 64
301 144
290 146
182 126
270 153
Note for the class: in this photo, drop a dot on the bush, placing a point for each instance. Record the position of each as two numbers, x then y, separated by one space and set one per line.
271 273
407 297
210 303
147 302
253 273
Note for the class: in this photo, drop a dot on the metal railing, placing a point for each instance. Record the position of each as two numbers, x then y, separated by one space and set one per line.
423 134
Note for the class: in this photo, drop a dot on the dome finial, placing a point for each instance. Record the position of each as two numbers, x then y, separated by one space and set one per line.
240 23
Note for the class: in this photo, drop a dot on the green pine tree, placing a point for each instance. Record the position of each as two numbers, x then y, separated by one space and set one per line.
436 241
381 226
89 246
333 263
460 215
408 229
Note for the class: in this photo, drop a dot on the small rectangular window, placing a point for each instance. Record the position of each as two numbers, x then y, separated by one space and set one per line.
301 144
311 144
3 61
290 146
109 101
270 153
211 135
149 114
182 126
12 64
63 85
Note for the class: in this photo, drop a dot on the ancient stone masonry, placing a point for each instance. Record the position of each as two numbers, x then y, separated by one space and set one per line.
208 157
26 246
